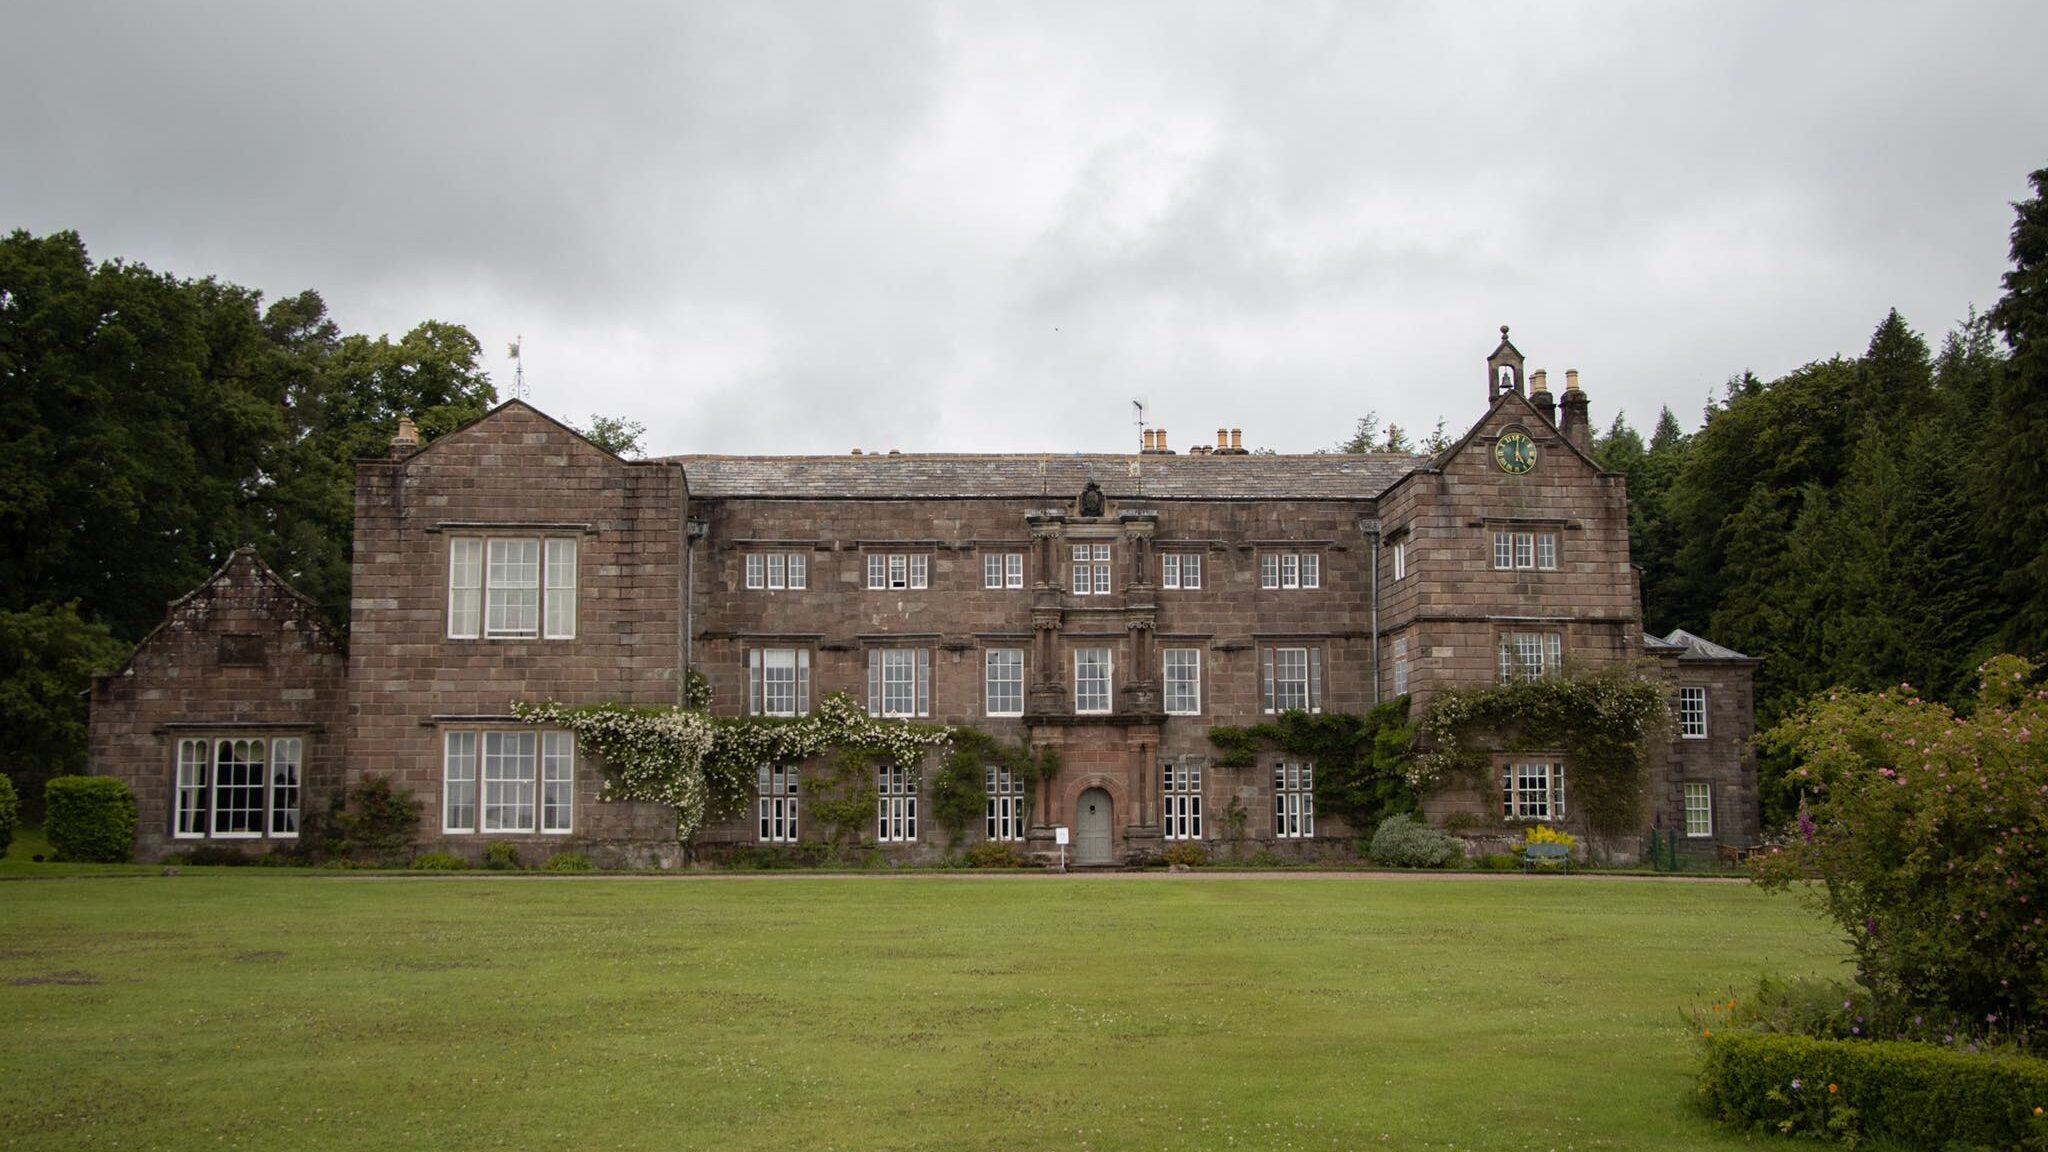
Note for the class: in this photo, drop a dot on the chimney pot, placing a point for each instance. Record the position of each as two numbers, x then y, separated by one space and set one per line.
1571 379
1539 381
1223 439
1161 442
407 438
895 451
857 452
1237 439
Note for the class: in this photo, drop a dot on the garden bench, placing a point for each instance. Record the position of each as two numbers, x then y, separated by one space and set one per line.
1544 853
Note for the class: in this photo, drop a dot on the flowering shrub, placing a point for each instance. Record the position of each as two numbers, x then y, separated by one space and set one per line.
1929 832
1405 842
1545 834
699 765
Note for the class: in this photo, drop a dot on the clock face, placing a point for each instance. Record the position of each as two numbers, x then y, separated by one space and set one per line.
1515 453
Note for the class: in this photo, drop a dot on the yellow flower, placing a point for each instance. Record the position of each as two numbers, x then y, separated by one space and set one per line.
1832 1089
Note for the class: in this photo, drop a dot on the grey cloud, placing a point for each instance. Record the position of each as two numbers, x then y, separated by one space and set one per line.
806 226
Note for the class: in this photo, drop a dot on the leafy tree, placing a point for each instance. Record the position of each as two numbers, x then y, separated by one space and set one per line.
617 436
48 655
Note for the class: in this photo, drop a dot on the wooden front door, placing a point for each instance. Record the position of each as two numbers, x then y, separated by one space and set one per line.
1091 842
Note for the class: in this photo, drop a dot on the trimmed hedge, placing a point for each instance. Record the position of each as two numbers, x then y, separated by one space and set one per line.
10 812
89 819
1918 1095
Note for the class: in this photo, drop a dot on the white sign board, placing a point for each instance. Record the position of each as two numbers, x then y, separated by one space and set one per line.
1059 835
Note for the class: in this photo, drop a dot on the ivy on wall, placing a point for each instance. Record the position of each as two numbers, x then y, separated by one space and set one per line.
703 766
1363 771
959 788
1604 722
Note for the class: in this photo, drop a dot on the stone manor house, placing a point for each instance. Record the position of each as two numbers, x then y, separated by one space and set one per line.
1115 607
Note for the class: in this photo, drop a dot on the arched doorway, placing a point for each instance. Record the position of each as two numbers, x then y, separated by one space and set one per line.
1091 817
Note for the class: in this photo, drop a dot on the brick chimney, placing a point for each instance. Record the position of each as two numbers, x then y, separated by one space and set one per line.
1539 395
1575 422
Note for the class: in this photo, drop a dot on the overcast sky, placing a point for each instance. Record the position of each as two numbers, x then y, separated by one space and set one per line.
977 226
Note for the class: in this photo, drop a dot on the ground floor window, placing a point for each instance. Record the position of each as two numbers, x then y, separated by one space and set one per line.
508 781
239 787
895 804
1532 791
777 787
1294 800
1183 806
1006 812
1699 810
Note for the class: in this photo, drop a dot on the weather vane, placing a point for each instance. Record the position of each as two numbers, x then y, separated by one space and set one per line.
518 368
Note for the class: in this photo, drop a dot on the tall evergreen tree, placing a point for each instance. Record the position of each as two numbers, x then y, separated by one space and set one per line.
2017 523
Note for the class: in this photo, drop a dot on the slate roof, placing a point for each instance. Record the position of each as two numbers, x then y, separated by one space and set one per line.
935 476
1697 648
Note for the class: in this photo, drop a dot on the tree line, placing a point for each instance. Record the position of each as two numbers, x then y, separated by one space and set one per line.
1863 522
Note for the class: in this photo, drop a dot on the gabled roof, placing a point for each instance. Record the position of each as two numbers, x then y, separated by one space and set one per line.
508 405
243 557
1697 648
1330 476
1436 463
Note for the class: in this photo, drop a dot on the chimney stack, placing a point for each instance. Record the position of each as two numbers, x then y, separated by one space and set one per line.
1575 422
406 440
1539 395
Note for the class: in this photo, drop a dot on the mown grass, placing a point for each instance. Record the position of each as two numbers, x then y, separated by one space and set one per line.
310 1011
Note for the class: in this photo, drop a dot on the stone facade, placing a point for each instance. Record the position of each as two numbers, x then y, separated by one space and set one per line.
1128 604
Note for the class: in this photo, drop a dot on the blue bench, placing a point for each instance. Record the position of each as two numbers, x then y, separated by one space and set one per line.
1545 853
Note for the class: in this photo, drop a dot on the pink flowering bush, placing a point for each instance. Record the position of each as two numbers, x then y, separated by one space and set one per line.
1929 833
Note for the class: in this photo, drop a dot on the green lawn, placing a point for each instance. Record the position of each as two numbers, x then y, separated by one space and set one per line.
267 1010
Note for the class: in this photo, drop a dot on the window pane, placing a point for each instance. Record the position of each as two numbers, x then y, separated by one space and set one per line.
465 586
238 770
1005 681
920 570
512 593
1013 570
992 571
757 576
1169 571
1091 680
1290 679
561 589
286 759
1183 681
878 571
192 787
1311 571
558 781
458 783
508 781
1546 551
799 571
778 570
